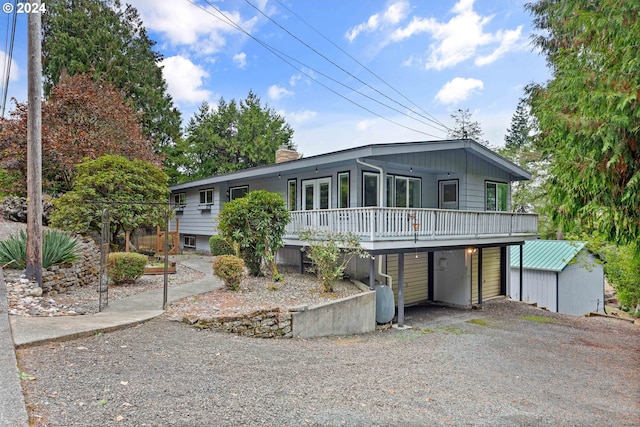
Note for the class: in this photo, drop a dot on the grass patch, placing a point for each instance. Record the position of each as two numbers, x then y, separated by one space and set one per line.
538 319
454 331
479 322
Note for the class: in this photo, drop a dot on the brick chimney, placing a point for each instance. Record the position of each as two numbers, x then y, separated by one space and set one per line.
283 154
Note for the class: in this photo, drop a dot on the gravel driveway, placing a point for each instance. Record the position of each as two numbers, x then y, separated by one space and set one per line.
455 367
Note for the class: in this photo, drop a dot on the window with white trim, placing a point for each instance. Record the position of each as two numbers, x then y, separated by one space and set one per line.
206 196
238 192
496 196
370 189
292 194
189 241
448 194
343 190
403 191
180 200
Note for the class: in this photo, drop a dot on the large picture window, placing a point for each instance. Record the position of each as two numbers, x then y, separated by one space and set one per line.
403 191
496 196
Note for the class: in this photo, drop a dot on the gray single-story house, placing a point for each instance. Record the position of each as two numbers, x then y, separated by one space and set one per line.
561 276
434 214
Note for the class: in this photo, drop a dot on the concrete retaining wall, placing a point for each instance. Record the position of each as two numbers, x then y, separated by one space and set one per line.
352 315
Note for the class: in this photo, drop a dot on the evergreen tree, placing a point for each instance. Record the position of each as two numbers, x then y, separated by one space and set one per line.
465 128
231 137
527 196
589 115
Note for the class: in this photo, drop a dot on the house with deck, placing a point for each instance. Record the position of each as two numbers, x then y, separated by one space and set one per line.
435 215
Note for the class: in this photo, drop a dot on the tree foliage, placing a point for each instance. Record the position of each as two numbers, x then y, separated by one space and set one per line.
130 184
527 196
230 137
257 223
465 128
589 114
108 40
81 119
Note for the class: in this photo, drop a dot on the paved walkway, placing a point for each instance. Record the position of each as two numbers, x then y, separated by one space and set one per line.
16 331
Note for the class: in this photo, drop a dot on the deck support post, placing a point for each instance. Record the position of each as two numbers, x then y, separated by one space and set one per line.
372 273
430 276
480 276
401 289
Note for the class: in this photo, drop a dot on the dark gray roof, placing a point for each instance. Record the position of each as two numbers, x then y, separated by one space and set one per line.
371 150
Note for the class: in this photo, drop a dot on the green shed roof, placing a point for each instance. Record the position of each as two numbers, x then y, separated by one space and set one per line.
548 255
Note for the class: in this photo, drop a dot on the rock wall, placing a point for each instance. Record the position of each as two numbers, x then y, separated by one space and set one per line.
269 323
15 209
83 272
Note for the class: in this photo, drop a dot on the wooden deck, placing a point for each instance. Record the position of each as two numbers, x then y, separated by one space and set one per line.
375 224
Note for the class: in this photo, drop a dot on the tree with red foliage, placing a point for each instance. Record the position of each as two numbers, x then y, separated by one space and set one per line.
81 119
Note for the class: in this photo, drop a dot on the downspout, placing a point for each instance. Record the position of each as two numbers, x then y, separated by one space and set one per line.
383 184
386 276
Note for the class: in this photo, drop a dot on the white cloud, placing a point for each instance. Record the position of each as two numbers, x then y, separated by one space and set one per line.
276 92
458 89
459 39
15 71
293 80
298 117
508 40
364 125
184 79
392 15
240 59
184 24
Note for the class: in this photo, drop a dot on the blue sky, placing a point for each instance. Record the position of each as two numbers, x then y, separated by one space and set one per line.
430 58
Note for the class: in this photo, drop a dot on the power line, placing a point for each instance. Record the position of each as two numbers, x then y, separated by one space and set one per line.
429 118
280 55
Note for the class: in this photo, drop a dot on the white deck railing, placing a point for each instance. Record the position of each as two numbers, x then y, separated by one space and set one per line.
371 224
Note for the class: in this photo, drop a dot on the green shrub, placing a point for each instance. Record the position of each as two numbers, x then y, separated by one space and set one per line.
126 267
219 246
330 254
257 223
58 247
230 269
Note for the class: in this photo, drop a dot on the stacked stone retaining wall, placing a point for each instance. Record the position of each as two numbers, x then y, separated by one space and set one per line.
83 272
268 323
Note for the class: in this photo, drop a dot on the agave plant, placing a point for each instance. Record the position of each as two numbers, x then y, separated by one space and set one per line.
58 247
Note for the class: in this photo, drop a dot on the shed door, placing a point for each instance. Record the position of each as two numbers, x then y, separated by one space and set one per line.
415 277
490 274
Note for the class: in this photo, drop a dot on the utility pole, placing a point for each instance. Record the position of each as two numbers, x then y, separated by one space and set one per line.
34 146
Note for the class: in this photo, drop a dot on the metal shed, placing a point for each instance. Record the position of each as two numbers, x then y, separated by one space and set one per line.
561 276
